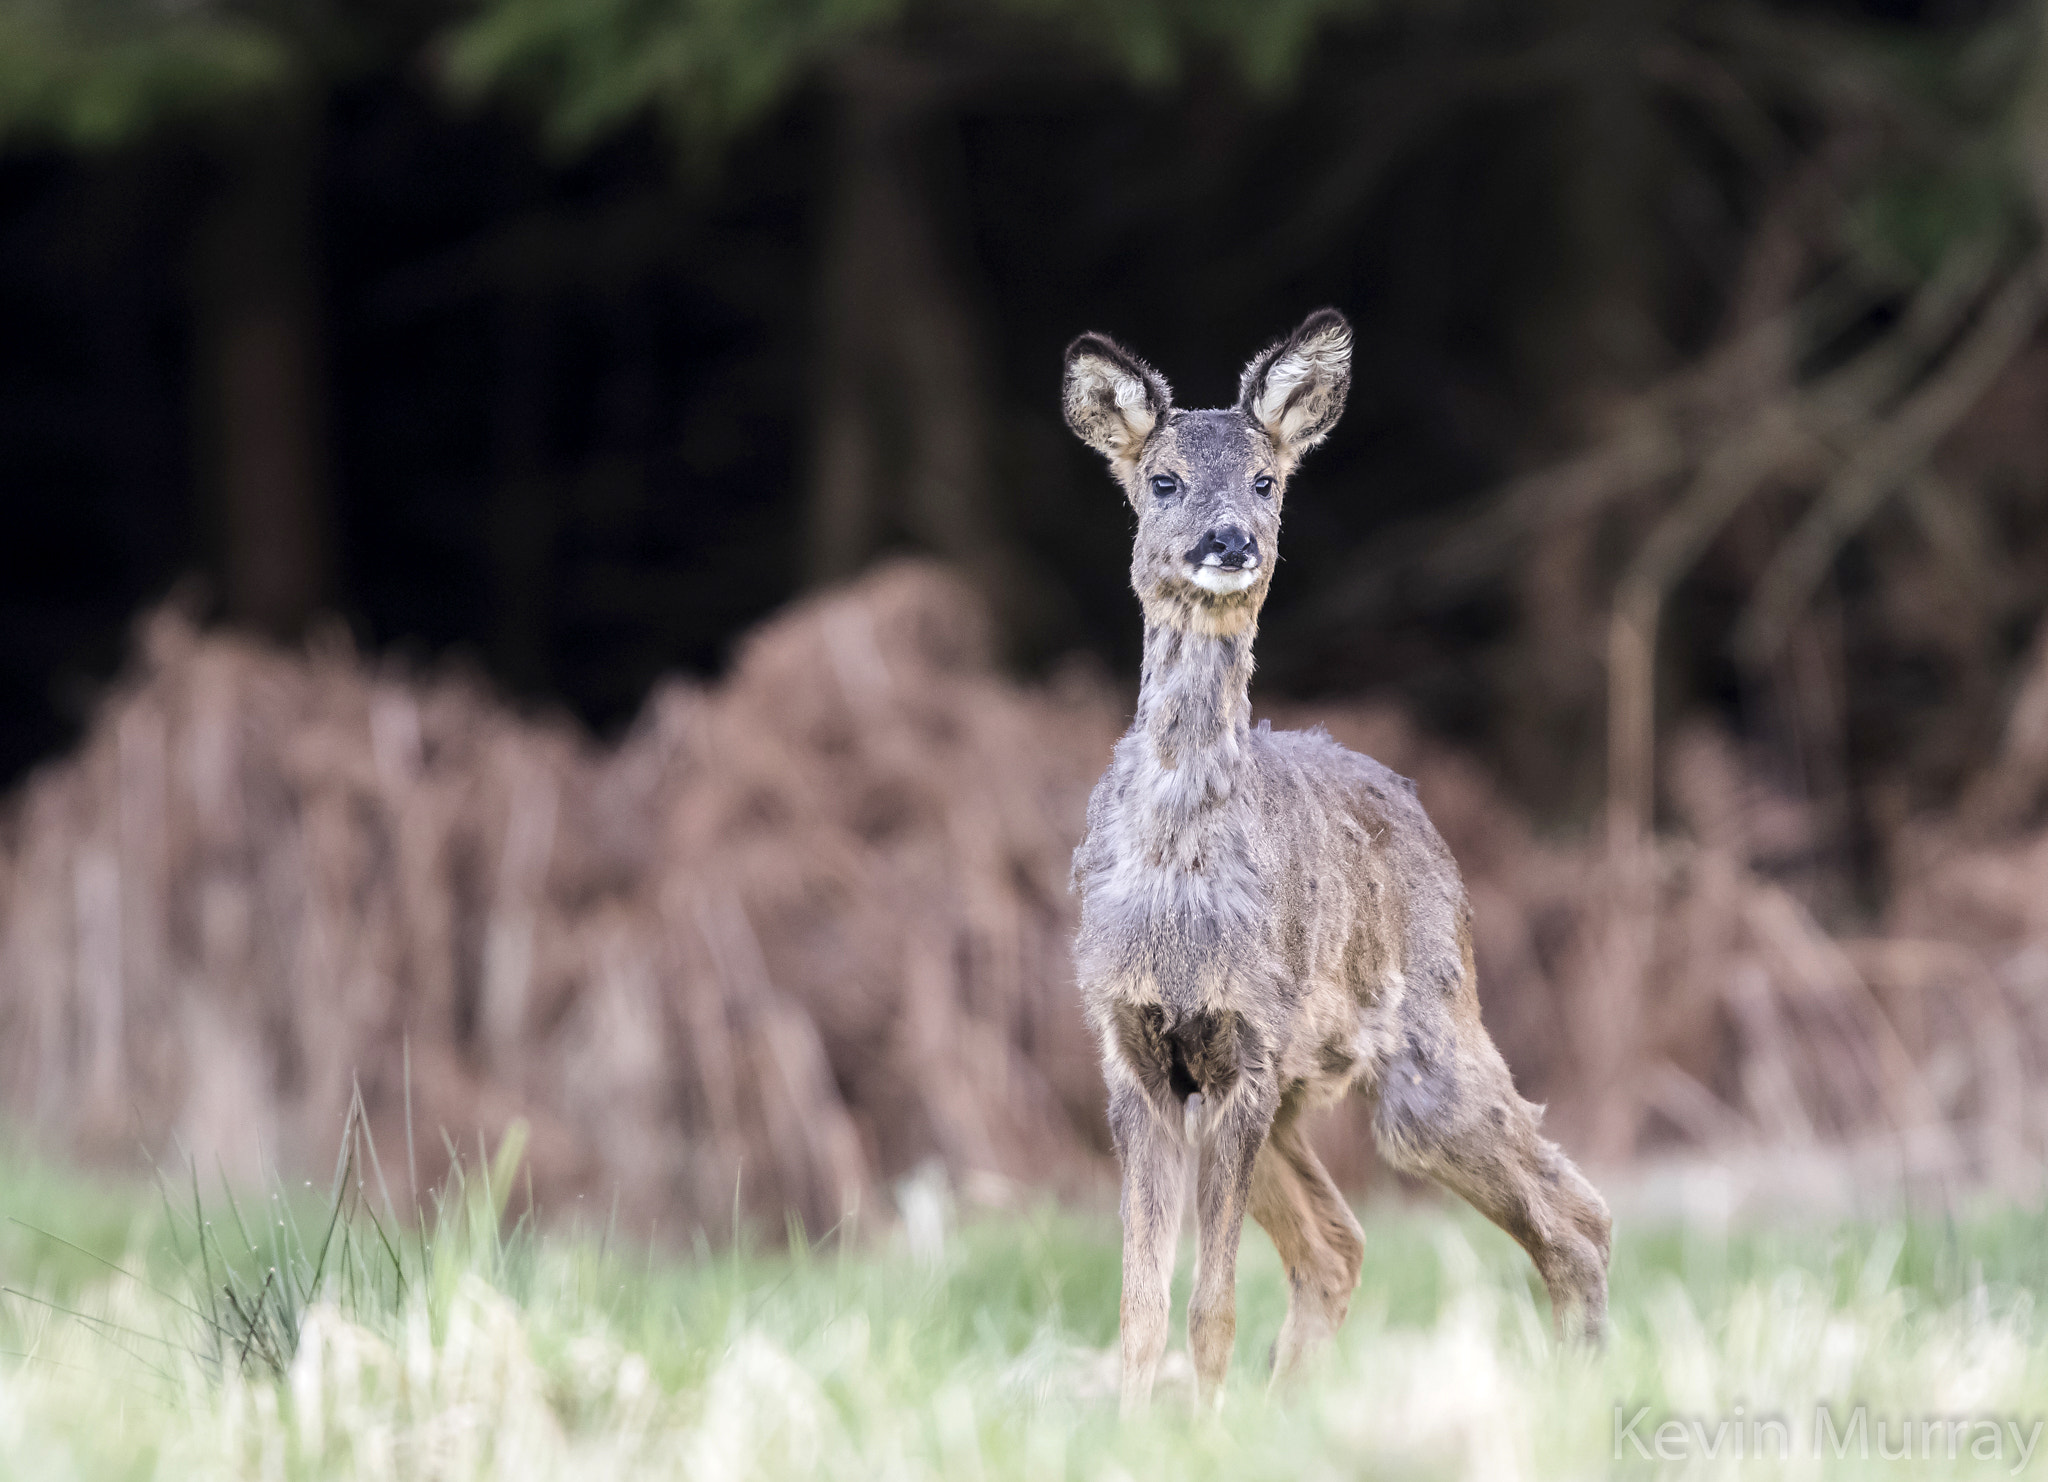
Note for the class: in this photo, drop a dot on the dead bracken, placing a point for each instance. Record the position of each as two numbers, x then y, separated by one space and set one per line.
806 928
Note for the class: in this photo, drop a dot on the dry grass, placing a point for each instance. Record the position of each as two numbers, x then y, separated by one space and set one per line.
806 929
797 933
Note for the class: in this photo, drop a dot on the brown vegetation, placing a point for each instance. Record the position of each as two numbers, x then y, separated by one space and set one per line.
797 933
807 928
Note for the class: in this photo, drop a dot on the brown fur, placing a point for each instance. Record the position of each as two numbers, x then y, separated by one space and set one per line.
1269 921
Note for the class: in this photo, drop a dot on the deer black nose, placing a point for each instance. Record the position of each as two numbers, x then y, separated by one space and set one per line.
1228 546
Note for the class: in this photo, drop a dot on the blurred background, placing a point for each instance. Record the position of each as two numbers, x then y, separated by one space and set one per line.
544 580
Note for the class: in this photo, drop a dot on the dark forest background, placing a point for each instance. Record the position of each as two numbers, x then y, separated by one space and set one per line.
468 328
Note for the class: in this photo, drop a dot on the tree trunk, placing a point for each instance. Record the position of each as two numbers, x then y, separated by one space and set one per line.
1603 331
262 434
523 518
901 442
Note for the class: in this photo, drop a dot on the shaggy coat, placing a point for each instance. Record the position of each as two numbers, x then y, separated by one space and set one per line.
1270 922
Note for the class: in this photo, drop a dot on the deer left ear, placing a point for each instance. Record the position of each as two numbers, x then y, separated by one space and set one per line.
1296 388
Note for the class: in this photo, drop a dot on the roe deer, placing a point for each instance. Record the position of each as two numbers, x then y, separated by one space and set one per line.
1269 921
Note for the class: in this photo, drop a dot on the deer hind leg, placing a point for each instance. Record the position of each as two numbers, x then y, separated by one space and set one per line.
1448 1110
1318 1238
1155 1186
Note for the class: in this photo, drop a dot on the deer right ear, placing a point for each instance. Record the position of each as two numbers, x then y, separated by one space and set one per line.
1113 400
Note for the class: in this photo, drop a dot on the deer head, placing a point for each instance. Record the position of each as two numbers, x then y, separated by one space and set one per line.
1208 485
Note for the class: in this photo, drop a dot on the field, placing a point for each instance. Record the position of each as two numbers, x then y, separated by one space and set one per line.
952 1346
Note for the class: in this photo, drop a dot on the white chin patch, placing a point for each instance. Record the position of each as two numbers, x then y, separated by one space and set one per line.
1216 579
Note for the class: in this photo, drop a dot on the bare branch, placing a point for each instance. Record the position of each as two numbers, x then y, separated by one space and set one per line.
1887 458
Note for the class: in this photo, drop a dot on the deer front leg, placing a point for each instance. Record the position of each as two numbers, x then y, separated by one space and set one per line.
1155 1167
1222 1193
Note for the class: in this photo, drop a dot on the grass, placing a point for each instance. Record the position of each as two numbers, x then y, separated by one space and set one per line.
481 1352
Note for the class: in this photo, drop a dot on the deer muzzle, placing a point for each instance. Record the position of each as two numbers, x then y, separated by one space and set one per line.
1226 559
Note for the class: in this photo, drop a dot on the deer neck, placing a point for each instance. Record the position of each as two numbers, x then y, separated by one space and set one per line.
1194 718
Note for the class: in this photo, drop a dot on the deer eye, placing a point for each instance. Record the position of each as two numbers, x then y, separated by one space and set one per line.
1264 485
1165 485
